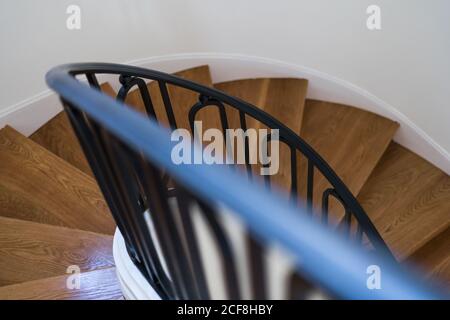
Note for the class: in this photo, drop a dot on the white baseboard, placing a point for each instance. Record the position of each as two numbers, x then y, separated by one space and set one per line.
30 114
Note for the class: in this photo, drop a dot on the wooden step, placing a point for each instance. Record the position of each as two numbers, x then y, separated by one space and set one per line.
350 140
94 285
282 98
37 185
58 136
408 200
434 259
30 251
181 99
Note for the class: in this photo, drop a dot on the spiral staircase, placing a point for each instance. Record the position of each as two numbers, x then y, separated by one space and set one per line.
53 214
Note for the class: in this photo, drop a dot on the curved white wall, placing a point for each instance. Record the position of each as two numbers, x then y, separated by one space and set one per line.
405 64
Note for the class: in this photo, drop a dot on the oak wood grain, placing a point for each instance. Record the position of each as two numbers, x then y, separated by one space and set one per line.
30 251
283 99
408 200
350 140
181 99
39 186
434 259
58 136
94 285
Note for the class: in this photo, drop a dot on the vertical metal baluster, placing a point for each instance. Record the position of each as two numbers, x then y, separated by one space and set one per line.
193 113
231 278
92 80
167 231
167 104
243 124
146 98
124 168
101 167
294 195
224 124
359 234
325 200
258 269
310 186
98 165
127 84
184 202
126 87
347 223
267 178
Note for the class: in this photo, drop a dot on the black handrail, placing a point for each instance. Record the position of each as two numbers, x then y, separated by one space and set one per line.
130 156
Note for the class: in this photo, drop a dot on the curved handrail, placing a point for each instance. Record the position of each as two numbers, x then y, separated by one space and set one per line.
287 134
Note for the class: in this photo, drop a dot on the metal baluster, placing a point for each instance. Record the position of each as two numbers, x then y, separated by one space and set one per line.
127 84
243 124
294 194
92 80
167 104
168 233
127 185
325 201
231 278
359 234
310 186
184 203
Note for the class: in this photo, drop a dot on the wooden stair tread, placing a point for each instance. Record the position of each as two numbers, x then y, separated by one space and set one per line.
434 259
408 200
349 139
181 99
39 186
30 251
282 98
58 136
94 285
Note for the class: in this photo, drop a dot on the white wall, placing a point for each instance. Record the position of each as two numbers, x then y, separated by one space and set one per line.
406 63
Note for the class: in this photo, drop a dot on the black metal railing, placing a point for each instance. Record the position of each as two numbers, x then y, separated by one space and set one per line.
130 158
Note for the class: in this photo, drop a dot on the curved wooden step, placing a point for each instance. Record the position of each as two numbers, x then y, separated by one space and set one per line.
58 136
94 285
38 186
351 141
408 200
181 99
30 251
434 259
282 98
